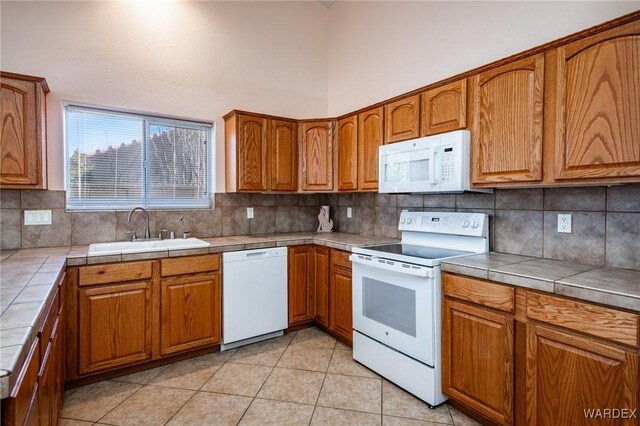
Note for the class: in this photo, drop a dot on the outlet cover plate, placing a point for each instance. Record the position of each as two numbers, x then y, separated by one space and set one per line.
37 217
249 212
564 223
349 212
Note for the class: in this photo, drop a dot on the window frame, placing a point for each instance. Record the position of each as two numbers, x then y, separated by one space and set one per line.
110 204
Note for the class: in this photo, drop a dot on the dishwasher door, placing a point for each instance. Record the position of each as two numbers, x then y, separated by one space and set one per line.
254 293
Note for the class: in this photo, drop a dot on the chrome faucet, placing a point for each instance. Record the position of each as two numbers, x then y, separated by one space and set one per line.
147 231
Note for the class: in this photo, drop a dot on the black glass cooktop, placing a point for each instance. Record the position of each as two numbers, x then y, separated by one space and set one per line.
417 251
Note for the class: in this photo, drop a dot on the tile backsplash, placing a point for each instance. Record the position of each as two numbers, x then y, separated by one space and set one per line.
606 220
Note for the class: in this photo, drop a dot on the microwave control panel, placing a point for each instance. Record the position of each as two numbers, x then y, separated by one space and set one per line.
447 166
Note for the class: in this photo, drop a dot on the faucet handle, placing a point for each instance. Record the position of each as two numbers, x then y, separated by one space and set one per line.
133 235
160 233
185 234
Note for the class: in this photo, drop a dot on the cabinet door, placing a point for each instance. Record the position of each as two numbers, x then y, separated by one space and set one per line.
348 153
317 156
115 326
46 385
321 283
598 106
370 126
478 359
252 153
507 122
21 133
284 155
444 108
189 312
568 375
340 307
402 119
300 284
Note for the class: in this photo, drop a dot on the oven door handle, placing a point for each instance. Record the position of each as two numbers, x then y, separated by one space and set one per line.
392 265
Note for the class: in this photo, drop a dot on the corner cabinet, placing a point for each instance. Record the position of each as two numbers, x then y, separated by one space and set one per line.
23 141
597 105
317 155
444 108
261 153
507 128
402 119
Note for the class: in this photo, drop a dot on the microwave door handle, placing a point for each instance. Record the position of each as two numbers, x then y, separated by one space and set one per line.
432 166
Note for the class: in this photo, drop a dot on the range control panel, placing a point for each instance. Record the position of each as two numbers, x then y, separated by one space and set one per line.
472 224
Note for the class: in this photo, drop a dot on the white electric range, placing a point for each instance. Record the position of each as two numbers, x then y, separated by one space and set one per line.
397 297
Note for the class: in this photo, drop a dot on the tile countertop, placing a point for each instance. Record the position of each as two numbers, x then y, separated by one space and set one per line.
608 286
27 278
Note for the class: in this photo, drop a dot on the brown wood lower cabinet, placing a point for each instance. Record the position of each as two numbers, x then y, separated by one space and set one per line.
321 284
538 359
340 309
301 284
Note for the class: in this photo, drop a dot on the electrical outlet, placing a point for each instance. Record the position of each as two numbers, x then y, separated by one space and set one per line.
564 223
249 212
349 212
37 217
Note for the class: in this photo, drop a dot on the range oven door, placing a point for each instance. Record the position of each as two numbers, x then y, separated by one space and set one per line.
395 304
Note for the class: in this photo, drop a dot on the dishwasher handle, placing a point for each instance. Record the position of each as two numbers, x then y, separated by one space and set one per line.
246 255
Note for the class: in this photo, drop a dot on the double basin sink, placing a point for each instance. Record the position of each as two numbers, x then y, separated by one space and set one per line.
102 249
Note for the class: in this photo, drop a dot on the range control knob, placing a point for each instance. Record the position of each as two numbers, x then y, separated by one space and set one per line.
409 220
465 223
403 220
475 224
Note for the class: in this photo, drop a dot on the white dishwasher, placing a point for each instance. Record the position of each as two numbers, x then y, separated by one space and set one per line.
254 296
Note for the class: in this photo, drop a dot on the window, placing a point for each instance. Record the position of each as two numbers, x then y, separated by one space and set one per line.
121 160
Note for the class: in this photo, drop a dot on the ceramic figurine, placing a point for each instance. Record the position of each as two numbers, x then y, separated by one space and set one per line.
326 224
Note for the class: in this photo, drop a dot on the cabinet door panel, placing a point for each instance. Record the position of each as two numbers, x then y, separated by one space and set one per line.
444 108
348 153
115 326
284 155
190 313
317 156
340 306
567 375
321 282
507 125
478 359
598 106
402 120
300 284
252 153
370 127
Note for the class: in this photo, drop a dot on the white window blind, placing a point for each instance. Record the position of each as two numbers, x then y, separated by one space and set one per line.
120 160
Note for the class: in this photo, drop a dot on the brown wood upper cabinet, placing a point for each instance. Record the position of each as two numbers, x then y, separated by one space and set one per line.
402 119
444 108
317 155
597 105
246 152
23 142
508 122
347 142
283 143
370 128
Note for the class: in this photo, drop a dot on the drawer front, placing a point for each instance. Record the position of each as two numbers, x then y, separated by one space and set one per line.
189 265
598 321
496 296
114 273
340 258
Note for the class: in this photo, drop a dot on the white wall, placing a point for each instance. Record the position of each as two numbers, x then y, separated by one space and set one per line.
378 50
194 60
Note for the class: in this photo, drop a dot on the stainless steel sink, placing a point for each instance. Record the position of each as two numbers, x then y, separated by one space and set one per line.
102 249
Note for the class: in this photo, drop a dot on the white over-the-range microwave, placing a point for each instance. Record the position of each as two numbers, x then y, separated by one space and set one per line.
438 163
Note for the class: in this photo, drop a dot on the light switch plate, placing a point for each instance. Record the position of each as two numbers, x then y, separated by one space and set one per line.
249 212
564 223
349 212
37 217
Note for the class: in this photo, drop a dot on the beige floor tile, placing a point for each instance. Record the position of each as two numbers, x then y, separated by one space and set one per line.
263 353
351 393
151 405
461 419
334 417
238 379
187 374
71 422
397 402
285 339
400 421
292 386
342 363
263 412
342 347
313 336
93 401
305 357
216 357
141 377
211 409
